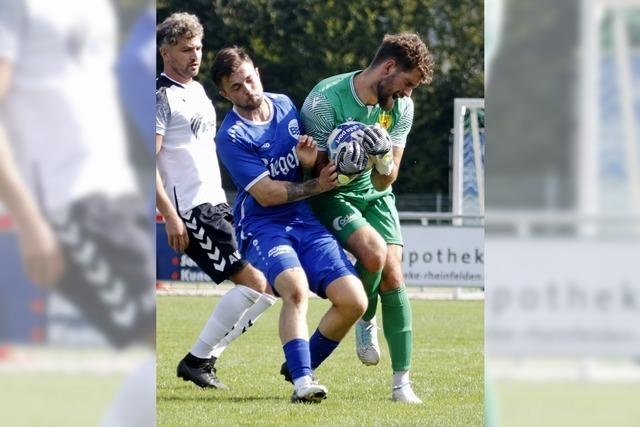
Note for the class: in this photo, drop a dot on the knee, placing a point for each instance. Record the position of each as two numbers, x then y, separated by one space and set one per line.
360 304
373 255
373 259
295 296
392 278
355 302
252 278
369 248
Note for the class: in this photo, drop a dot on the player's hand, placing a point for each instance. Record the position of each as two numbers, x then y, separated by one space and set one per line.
177 233
307 151
352 159
376 140
41 252
383 163
328 178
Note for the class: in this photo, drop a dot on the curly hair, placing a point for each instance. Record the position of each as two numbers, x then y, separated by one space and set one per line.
409 51
177 26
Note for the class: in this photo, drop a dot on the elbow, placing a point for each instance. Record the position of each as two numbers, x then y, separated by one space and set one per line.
267 199
264 201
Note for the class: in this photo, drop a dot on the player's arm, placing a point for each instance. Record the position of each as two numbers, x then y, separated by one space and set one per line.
386 166
269 192
41 254
318 120
176 230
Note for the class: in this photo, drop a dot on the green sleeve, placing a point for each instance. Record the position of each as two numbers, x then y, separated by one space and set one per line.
318 118
400 131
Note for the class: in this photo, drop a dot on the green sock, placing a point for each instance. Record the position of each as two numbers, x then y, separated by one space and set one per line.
396 324
371 282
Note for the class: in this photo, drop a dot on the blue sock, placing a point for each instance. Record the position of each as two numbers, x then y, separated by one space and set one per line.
296 352
320 347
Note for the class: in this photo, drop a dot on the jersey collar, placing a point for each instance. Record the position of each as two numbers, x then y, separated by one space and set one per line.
353 88
256 122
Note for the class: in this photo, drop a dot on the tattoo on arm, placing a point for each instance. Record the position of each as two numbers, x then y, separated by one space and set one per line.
302 190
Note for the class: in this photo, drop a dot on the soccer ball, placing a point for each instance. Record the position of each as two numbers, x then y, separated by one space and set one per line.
344 146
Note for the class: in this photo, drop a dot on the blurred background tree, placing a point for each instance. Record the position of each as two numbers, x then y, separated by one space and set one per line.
295 44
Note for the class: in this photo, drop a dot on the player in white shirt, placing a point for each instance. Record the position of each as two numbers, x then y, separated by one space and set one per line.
189 195
65 177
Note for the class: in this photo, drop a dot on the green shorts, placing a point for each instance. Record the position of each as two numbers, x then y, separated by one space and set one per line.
345 212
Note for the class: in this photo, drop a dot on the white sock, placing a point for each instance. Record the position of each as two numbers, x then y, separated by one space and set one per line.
229 310
400 378
265 301
302 381
135 403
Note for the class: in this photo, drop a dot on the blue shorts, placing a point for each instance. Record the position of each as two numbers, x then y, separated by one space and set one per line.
275 248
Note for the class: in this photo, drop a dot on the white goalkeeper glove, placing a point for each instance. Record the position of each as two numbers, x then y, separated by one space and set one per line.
383 163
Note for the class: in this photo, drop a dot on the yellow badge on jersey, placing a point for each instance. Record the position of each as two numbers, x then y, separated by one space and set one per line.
385 119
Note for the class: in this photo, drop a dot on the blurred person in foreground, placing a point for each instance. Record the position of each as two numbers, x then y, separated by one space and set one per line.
261 146
362 214
190 196
67 182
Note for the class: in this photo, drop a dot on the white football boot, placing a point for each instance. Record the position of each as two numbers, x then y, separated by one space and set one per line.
404 393
312 392
367 346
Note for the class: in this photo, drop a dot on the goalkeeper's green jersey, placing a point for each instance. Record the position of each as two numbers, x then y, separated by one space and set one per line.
334 101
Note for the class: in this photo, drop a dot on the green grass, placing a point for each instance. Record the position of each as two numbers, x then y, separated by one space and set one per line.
56 399
447 372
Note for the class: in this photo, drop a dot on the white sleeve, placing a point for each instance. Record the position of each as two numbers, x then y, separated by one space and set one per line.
163 111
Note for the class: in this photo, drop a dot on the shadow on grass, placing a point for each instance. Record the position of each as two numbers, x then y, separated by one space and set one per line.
220 397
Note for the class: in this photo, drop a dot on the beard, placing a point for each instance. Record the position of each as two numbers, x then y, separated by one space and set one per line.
253 103
386 98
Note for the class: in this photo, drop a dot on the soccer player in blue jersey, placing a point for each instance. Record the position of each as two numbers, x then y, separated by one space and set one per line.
260 144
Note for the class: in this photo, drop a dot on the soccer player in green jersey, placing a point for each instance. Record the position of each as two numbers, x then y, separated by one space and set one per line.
362 214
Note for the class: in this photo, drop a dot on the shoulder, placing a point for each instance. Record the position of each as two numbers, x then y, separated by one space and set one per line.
164 82
334 83
405 106
280 100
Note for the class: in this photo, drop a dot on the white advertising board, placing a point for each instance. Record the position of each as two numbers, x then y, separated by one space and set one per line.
443 256
562 297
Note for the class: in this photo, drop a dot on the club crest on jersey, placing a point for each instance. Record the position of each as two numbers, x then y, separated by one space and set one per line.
385 119
294 128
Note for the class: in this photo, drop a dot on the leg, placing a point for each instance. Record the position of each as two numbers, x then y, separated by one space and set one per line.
293 287
349 302
396 321
213 247
367 245
255 280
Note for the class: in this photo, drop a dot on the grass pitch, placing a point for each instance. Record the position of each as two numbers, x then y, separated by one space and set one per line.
447 372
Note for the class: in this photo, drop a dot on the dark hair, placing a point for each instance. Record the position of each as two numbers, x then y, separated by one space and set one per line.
177 26
227 61
409 52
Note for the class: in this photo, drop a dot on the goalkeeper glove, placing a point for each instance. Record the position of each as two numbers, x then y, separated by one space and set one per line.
376 140
351 159
383 163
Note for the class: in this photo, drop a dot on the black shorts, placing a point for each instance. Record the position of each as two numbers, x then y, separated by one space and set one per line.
109 265
212 242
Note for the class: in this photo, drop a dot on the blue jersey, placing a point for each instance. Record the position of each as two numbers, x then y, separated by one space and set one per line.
252 150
